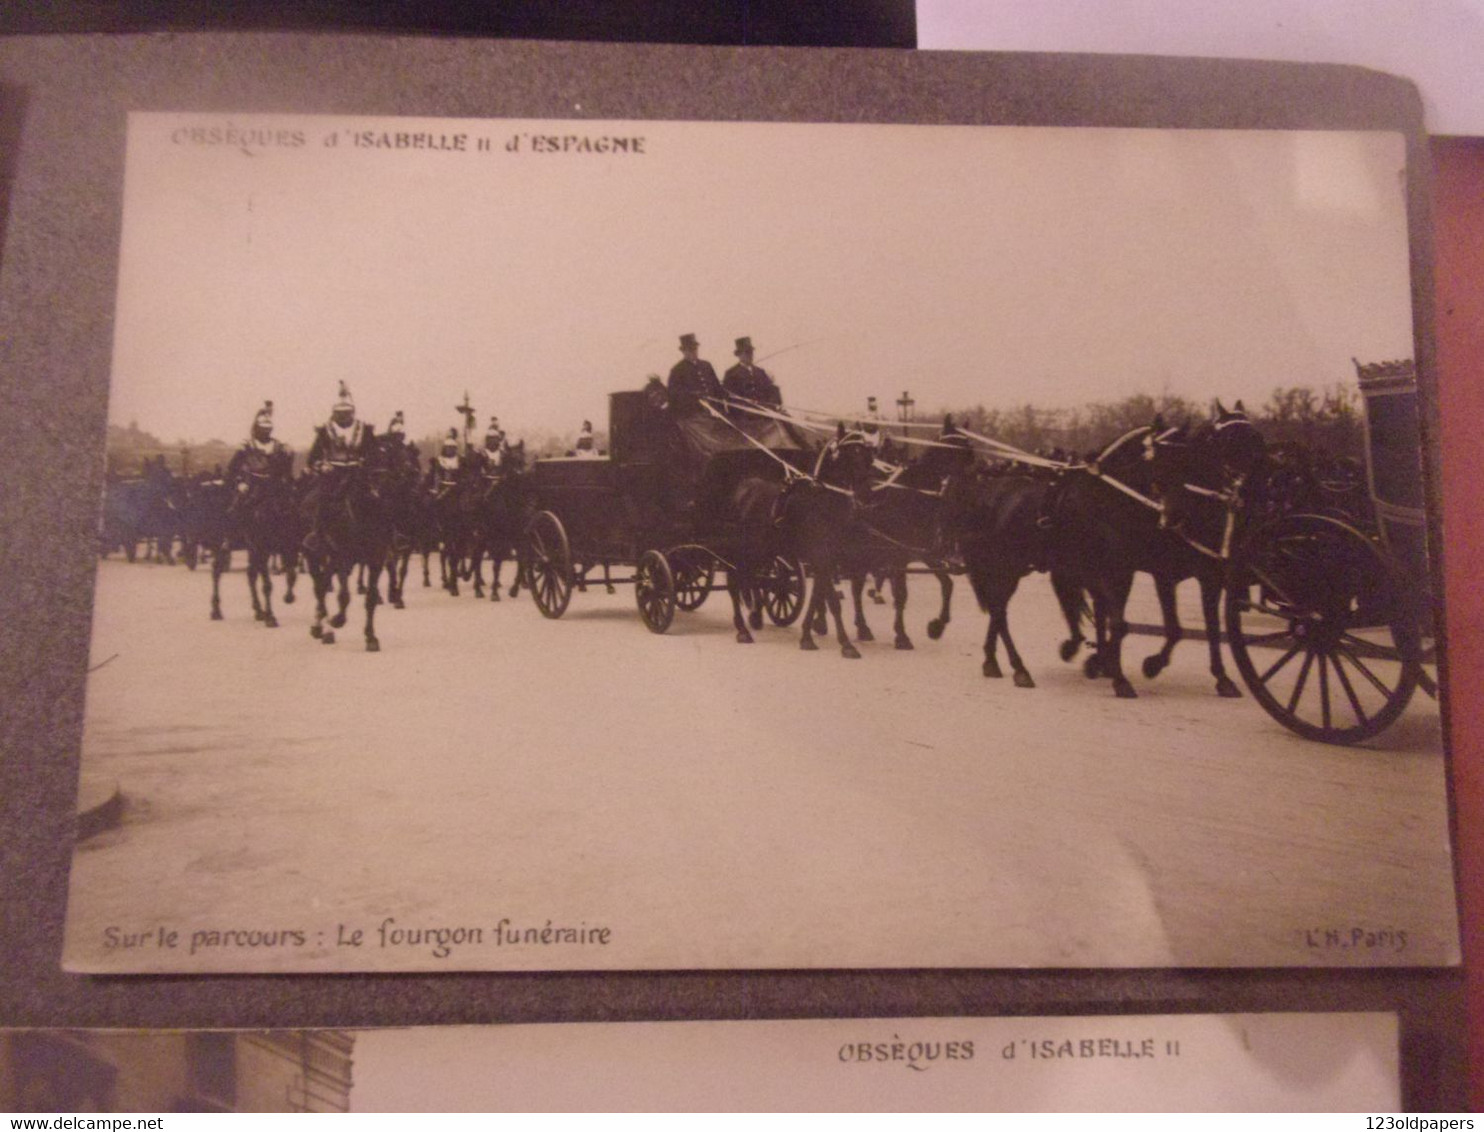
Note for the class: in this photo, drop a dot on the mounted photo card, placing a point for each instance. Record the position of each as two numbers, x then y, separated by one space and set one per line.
811 511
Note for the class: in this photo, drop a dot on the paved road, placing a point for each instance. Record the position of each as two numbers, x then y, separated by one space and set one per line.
682 801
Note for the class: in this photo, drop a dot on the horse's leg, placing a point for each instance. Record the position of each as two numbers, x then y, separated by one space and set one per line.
220 561
255 566
737 584
1022 674
1156 663
847 650
342 596
319 574
1069 599
991 666
1112 664
361 578
939 623
267 576
862 630
1211 610
476 569
811 611
289 556
898 578
373 599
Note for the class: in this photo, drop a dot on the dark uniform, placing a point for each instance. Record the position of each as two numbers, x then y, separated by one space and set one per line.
340 447
262 462
691 379
751 382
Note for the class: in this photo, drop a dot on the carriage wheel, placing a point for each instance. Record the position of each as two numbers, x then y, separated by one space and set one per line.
654 590
1323 629
695 571
781 588
548 564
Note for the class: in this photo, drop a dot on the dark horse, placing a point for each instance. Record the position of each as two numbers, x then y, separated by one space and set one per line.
999 517
355 528
804 517
905 523
499 507
1108 522
261 516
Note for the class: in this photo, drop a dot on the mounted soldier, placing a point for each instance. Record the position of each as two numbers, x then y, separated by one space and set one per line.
692 379
396 436
749 382
490 459
340 448
260 463
445 468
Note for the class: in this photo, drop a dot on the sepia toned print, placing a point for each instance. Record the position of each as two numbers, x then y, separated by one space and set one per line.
994 375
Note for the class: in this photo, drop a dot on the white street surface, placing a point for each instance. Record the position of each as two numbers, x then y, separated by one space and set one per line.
682 801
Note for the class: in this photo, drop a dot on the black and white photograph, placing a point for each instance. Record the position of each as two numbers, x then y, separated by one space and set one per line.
667 545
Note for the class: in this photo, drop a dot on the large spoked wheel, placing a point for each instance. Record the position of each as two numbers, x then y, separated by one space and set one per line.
548 564
654 591
781 590
694 573
1323 629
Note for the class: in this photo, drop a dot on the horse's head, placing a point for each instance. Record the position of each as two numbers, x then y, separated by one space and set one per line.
1218 455
848 462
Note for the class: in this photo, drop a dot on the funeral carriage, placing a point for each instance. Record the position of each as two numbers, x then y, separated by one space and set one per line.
652 511
1328 611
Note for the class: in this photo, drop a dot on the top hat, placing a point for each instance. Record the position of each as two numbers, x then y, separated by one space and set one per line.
744 345
688 342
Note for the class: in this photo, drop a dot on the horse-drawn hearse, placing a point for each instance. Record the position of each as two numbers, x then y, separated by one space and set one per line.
656 511
1327 604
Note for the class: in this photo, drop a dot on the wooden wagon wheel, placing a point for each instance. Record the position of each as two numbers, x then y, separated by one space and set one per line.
654 591
1323 629
695 571
548 564
781 590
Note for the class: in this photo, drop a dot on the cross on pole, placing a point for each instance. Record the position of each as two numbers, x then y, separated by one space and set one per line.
904 405
466 410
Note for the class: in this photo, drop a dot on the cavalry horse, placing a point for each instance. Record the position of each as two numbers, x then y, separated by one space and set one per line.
355 528
499 509
810 518
260 515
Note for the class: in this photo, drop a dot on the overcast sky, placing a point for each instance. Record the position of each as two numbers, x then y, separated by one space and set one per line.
965 264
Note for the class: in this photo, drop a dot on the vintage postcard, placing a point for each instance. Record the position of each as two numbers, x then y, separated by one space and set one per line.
1169 1063
1180 361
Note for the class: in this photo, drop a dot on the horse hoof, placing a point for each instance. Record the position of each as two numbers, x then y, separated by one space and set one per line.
1124 690
338 621
327 639
878 599
1023 679
270 621
610 589
850 652
216 614
288 598
316 631
259 615
373 645
863 633
992 670
808 645
904 644
494 595
1092 667
935 630
1227 690
1153 666
744 637
1068 650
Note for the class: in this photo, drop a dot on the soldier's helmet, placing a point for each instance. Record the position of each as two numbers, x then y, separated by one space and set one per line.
262 424
344 409
494 436
398 425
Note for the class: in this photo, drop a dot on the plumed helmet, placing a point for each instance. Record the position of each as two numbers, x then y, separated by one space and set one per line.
344 402
398 424
264 419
